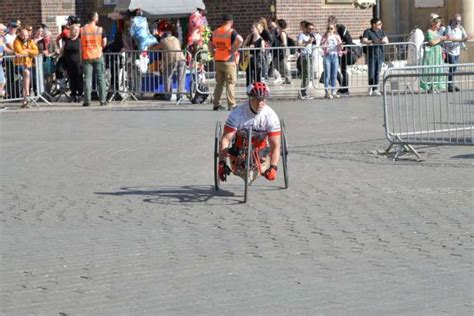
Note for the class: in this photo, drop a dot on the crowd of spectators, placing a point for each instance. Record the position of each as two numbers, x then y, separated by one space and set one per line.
77 53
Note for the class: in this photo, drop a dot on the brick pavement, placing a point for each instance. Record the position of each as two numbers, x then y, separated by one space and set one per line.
111 211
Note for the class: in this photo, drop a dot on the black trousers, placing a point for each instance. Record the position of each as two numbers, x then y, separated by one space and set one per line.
74 71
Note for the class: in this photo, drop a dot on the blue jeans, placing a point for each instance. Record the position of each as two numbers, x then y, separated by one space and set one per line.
331 66
453 60
374 66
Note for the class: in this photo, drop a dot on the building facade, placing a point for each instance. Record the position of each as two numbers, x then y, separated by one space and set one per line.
50 12
401 16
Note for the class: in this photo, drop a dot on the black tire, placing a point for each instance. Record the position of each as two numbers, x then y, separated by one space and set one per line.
247 164
217 140
284 153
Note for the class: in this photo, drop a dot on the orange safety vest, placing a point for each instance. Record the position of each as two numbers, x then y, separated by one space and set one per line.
221 40
91 42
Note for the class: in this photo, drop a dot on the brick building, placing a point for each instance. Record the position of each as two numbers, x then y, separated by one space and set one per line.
293 11
35 12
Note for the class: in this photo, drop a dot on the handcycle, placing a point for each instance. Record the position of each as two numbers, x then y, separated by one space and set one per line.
247 163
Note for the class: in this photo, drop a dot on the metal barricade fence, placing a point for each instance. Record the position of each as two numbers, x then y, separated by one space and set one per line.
423 107
14 87
116 76
362 66
157 72
282 68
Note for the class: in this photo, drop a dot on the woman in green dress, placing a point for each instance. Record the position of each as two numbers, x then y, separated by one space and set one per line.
433 56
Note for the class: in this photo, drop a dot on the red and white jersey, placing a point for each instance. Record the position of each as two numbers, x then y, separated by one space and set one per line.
265 123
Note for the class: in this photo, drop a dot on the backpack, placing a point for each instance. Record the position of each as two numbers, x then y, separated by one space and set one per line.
353 54
279 54
291 43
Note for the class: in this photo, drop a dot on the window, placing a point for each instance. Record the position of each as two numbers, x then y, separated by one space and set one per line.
339 1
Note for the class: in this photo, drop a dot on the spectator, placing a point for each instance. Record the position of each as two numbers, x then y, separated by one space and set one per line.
332 47
281 55
11 34
71 52
255 41
224 46
48 48
37 34
114 63
374 37
12 86
457 37
272 28
433 56
62 36
173 59
346 38
30 31
2 50
93 40
267 42
25 51
306 39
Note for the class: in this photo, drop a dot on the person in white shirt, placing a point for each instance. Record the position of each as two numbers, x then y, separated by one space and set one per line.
265 124
457 36
307 40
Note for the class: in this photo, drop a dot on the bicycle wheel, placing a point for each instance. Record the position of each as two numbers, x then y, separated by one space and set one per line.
247 164
284 153
217 140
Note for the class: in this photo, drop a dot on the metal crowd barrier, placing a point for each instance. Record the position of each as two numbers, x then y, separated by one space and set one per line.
362 66
277 66
14 81
420 108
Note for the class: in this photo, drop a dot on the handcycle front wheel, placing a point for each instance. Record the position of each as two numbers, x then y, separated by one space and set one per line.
284 153
247 164
217 140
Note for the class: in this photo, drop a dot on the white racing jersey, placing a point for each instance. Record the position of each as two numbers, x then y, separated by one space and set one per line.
265 123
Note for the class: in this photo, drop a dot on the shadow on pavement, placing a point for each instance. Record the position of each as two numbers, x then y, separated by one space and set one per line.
178 195
467 156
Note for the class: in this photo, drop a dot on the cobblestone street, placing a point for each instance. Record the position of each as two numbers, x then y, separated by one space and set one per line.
108 211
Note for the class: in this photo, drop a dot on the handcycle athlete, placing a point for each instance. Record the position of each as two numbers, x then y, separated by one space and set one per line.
266 130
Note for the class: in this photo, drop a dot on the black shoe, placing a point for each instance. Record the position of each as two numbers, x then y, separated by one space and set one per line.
104 103
456 89
73 100
179 100
287 82
218 108
86 104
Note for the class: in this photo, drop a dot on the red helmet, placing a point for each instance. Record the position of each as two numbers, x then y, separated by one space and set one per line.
258 90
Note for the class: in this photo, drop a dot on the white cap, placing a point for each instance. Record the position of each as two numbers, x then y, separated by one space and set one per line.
434 16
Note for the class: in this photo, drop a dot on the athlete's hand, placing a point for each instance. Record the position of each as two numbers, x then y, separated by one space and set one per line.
224 170
271 173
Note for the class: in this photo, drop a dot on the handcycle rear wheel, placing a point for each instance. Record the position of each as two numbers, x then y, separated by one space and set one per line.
284 153
217 140
247 164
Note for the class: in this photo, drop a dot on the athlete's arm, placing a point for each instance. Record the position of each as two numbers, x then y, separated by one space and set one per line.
274 139
225 142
